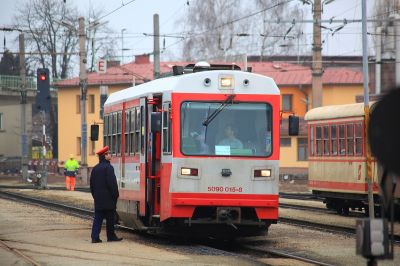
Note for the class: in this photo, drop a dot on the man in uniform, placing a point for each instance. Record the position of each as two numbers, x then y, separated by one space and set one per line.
70 169
104 189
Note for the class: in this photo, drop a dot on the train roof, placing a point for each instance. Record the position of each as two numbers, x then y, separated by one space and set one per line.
336 111
194 83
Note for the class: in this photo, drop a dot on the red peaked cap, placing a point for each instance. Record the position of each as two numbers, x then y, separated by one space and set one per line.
103 150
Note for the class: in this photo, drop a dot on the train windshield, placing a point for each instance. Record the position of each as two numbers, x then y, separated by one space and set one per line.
239 129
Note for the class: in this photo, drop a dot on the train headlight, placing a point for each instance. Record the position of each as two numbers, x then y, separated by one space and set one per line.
226 82
189 171
262 173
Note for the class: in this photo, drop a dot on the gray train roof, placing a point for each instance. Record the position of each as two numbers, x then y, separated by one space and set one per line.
194 83
336 111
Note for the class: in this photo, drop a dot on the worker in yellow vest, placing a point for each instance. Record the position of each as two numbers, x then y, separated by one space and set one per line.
70 171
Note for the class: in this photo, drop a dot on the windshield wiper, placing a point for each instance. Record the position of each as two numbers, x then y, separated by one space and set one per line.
228 101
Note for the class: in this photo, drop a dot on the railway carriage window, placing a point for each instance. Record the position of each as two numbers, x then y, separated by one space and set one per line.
119 132
334 141
142 131
318 137
137 130
114 137
249 122
312 152
359 138
302 153
127 130
342 140
105 130
166 128
350 139
132 131
326 140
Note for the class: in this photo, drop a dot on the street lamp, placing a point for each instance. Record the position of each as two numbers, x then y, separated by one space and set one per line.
122 46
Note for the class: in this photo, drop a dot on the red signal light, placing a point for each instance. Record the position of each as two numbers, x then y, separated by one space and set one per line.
42 76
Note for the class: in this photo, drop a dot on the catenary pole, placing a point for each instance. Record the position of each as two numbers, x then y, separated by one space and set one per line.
366 109
83 88
24 136
317 57
156 25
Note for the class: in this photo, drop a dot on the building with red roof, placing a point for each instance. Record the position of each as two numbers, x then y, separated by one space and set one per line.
341 85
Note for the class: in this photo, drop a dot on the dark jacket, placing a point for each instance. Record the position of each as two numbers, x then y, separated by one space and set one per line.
103 186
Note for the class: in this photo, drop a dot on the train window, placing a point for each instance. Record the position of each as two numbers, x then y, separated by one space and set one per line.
326 140
241 129
142 131
119 128
105 130
166 128
114 137
318 138
334 141
109 136
132 131
302 149
359 138
312 152
137 130
342 140
127 127
350 139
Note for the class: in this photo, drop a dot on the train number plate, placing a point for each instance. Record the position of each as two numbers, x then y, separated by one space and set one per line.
225 189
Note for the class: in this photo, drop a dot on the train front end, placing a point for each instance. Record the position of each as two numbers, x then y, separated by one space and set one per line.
221 178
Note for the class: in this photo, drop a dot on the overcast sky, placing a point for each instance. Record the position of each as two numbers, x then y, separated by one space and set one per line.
137 18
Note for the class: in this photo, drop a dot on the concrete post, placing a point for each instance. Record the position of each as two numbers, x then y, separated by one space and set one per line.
24 136
378 60
317 57
156 25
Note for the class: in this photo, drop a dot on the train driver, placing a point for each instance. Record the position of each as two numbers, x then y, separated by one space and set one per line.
230 138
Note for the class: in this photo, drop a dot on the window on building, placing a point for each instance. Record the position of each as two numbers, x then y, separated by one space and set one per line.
302 152
350 139
166 128
318 138
78 146
359 138
1 121
91 104
312 140
287 102
334 140
342 140
286 142
78 104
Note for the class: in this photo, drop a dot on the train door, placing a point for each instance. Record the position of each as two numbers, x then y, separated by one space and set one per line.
150 155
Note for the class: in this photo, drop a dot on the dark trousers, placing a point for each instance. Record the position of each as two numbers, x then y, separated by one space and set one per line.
99 216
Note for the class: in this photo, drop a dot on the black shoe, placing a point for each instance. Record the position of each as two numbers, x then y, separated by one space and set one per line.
96 240
114 239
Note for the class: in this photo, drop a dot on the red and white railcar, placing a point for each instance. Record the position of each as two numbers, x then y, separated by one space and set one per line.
173 166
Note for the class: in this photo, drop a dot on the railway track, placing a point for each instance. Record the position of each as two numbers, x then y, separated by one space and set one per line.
245 250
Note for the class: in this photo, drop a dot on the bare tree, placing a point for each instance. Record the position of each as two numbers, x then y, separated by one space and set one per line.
52 32
55 43
220 28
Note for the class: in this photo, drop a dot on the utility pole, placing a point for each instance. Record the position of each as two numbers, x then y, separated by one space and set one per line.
83 87
122 46
396 25
378 60
24 136
366 109
156 62
317 57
